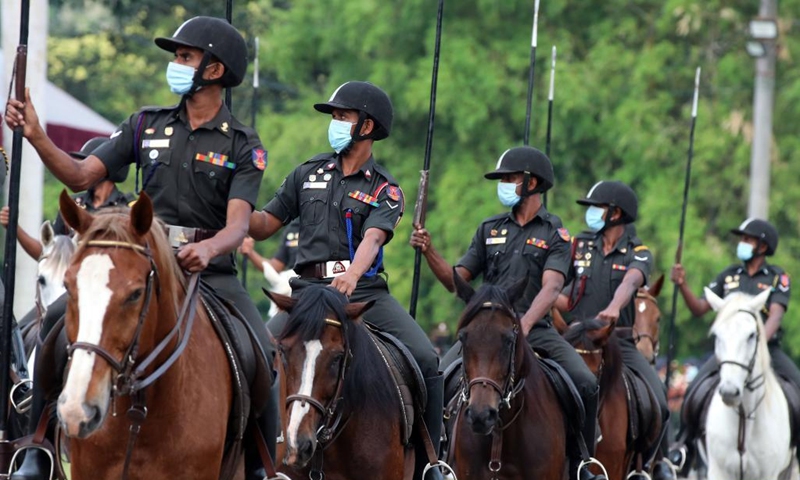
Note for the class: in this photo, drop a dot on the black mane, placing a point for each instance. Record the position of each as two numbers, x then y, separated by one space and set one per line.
367 385
486 293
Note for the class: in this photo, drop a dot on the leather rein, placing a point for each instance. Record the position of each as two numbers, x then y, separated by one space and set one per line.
508 391
130 371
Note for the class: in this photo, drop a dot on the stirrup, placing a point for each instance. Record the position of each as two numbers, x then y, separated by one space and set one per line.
278 476
50 457
25 404
440 463
591 461
682 463
642 474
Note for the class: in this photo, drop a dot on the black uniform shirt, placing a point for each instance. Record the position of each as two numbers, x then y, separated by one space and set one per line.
190 174
598 276
504 251
320 195
736 279
287 251
86 200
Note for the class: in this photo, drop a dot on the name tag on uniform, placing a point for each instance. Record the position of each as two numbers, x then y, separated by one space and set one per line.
315 185
156 143
496 241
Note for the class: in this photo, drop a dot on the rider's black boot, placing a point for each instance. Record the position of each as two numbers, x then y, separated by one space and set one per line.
433 416
268 424
590 437
37 465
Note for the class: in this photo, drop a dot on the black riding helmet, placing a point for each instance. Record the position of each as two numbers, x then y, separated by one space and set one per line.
93 144
761 230
369 100
613 194
529 161
216 37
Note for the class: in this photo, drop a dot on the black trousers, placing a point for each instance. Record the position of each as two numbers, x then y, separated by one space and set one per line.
636 361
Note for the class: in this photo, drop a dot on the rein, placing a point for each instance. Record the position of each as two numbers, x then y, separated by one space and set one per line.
131 379
508 391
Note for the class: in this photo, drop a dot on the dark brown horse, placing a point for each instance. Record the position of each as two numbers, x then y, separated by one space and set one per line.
510 424
596 342
646 327
125 290
342 416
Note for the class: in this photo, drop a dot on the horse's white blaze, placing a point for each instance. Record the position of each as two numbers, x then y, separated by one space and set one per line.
300 409
94 295
642 307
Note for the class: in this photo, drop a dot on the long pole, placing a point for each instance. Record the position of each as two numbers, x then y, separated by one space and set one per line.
253 112
550 97
679 251
10 258
229 18
422 195
531 74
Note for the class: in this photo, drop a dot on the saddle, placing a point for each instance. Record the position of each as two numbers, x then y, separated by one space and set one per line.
642 404
408 380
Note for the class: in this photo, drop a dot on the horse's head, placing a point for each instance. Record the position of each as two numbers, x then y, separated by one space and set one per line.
493 351
110 282
590 338
646 323
57 252
325 366
740 345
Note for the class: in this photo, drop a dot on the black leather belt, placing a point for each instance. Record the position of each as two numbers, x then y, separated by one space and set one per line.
321 270
179 235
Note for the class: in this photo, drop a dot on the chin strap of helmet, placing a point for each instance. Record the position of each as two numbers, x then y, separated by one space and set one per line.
198 81
357 137
526 179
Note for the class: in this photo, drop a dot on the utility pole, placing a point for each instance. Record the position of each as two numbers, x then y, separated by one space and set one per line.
763 103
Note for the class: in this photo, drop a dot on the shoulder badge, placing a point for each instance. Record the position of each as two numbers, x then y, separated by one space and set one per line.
260 158
393 192
640 248
785 281
564 234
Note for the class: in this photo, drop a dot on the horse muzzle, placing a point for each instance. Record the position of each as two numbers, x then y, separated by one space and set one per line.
297 456
482 420
79 419
731 395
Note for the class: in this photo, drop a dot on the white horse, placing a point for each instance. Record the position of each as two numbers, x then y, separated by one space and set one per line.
748 425
278 283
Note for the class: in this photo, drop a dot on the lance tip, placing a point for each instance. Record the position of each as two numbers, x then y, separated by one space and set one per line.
696 92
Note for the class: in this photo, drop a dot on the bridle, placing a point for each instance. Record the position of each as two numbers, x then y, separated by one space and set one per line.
637 336
130 372
751 384
508 391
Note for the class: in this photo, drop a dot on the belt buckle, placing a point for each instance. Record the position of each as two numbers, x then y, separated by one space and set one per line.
178 236
335 268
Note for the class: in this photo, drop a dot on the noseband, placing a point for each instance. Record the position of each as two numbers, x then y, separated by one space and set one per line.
331 413
510 388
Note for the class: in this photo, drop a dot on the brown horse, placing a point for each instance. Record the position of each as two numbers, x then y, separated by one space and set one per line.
596 343
510 423
342 416
646 327
125 290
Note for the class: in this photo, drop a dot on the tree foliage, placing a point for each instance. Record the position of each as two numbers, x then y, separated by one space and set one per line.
622 110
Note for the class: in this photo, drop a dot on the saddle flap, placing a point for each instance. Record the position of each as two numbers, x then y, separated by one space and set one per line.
696 401
406 375
641 400
565 389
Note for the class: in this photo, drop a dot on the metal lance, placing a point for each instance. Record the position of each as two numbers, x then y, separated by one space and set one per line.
421 204
550 97
253 112
229 90
679 251
10 258
531 74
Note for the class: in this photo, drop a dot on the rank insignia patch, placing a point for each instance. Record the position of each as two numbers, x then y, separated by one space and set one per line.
260 158
393 192
564 234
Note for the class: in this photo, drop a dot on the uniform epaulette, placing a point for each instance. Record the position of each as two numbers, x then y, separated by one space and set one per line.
494 218
640 248
319 157
385 173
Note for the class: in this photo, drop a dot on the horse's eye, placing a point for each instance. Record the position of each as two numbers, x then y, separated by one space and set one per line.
42 281
462 337
752 337
136 295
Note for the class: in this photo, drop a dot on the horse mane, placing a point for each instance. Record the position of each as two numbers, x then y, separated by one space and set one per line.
738 301
367 386
58 255
497 296
114 224
578 336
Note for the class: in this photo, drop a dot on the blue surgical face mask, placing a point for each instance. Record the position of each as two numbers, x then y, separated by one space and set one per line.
594 218
180 78
744 251
507 193
339 135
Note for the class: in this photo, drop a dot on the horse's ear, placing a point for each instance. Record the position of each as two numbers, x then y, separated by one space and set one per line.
46 234
517 289
655 288
142 215
760 300
79 219
355 310
713 299
282 301
464 290
600 336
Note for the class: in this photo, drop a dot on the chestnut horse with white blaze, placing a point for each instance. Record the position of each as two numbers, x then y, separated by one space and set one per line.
125 294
